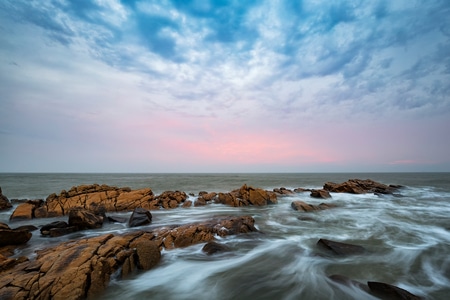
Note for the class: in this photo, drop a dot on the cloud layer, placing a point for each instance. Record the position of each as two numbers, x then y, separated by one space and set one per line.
224 86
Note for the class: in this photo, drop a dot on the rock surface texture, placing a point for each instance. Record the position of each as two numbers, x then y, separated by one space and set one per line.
82 269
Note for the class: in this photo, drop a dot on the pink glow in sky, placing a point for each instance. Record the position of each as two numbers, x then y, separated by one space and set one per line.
265 86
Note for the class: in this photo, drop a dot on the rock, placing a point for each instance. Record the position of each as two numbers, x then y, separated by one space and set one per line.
208 196
303 206
4 226
247 195
358 186
4 202
339 248
140 217
14 237
283 191
187 203
170 199
8 263
387 291
96 198
213 247
323 194
301 190
200 202
81 219
147 253
116 219
29 228
349 282
82 269
57 228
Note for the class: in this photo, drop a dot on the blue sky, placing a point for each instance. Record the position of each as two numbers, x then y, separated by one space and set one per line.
224 86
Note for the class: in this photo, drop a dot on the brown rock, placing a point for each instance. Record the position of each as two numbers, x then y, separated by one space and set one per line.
14 237
323 194
4 226
303 206
187 203
247 195
214 247
81 219
358 186
283 191
4 202
301 190
23 212
140 217
148 254
200 202
56 224
339 248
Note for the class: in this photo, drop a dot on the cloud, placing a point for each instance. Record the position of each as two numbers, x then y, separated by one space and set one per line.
224 79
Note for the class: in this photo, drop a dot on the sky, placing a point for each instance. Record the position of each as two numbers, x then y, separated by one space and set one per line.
224 86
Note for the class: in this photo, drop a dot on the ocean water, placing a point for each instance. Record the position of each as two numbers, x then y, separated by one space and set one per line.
407 238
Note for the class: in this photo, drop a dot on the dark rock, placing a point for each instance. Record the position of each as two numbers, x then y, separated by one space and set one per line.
339 248
4 202
301 190
322 194
84 219
116 219
4 226
45 230
391 292
56 232
8 263
200 202
29 228
213 247
14 237
140 217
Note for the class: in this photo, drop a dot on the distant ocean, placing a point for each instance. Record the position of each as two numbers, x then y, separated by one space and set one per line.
407 237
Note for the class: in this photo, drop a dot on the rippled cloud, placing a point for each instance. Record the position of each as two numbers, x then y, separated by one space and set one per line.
206 82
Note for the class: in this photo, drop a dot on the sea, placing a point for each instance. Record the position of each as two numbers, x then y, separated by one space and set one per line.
407 236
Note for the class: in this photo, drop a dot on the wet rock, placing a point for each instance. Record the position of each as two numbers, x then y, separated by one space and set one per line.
14 237
81 219
207 196
140 217
4 202
391 292
214 247
187 203
116 219
358 186
301 190
4 226
57 228
282 191
322 194
82 269
339 248
170 199
96 198
305 207
29 228
200 202
8 263
247 195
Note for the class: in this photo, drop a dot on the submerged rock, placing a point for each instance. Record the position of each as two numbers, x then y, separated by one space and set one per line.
211 248
387 291
14 237
339 248
323 194
303 206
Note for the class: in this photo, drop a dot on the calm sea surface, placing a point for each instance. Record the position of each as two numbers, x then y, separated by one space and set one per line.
408 237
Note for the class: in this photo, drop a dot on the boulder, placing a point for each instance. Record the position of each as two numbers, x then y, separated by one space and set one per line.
387 291
116 219
170 199
282 191
247 195
339 248
29 228
214 247
81 219
140 217
207 196
303 206
14 237
57 228
187 203
322 194
4 202
358 186
24 211
147 254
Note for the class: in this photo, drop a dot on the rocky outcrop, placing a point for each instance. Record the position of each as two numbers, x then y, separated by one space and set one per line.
359 186
170 199
282 191
247 195
322 194
303 206
82 269
339 248
10 236
4 202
